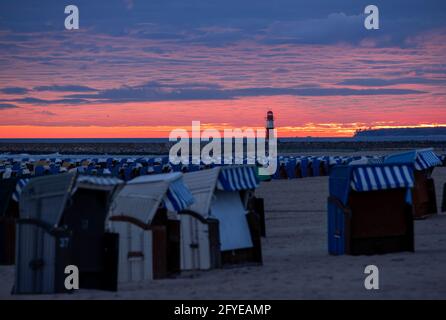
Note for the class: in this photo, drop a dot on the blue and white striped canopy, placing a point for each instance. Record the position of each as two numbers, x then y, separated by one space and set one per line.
370 178
98 181
426 159
421 159
236 178
89 180
376 160
178 197
18 189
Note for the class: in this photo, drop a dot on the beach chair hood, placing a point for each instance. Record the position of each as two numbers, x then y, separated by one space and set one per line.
371 177
141 197
97 183
217 196
237 178
422 159
203 184
44 198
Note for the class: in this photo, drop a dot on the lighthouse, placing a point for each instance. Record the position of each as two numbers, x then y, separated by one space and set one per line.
269 123
269 130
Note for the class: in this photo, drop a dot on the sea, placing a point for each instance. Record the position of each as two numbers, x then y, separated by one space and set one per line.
299 139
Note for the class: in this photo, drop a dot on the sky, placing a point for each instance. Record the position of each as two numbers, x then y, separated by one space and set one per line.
138 68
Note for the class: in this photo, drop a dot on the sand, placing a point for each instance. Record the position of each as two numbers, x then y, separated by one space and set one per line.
296 262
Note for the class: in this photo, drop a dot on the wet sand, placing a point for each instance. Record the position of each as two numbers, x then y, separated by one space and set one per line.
296 262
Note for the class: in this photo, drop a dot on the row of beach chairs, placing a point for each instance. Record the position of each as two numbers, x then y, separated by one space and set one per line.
156 225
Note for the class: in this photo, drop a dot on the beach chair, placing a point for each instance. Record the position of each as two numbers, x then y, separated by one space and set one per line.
277 173
144 214
282 170
39 171
61 223
55 169
326 165
222 196
304 164
298 170
128 173
442 158
311 166
370 209
291 168
42 246
443 204
158 168
257 205
424 196
316 167
165 159
9 212
176 167
143 171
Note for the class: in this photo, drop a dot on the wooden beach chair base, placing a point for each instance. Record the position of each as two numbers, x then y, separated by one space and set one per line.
424 197
443 204
7 241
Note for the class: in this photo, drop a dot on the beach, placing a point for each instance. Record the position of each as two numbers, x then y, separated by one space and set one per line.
142 138
296 263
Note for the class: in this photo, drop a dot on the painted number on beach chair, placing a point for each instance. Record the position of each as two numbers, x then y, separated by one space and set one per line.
64 242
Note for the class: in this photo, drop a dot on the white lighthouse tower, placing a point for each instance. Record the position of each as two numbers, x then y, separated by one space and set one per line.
269 124
269 131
